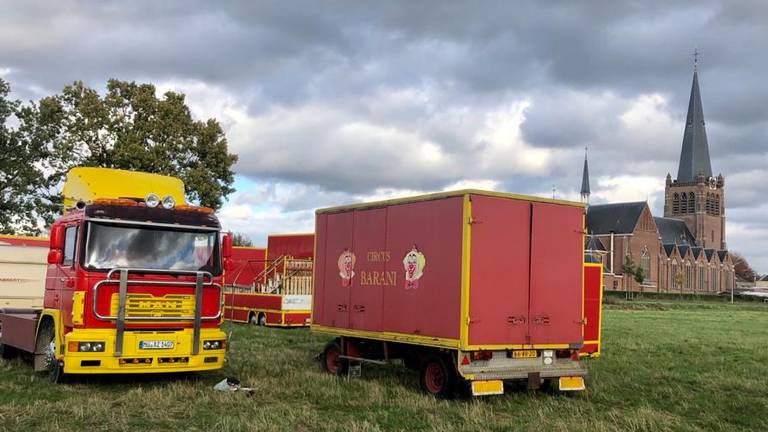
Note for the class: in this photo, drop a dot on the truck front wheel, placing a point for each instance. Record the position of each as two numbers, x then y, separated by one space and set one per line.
437 377
46 349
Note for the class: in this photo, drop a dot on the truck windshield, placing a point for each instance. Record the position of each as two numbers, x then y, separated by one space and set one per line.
112 246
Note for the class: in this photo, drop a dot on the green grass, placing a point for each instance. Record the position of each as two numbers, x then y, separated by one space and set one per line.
666 365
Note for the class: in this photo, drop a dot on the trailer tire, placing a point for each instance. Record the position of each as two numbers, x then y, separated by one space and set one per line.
252 319
330 360
262 319
437 377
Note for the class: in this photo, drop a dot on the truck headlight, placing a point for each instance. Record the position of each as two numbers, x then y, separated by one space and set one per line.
90 347
213 344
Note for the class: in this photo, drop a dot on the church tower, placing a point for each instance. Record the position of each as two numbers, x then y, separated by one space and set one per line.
696 196
585 181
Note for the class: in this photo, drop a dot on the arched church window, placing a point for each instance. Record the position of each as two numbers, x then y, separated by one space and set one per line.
645 263
676 203
684 203
692 203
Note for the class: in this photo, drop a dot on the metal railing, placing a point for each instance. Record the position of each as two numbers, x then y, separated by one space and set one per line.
123 282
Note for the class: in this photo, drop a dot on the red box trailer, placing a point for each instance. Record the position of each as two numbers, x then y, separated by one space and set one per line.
470 285
273 286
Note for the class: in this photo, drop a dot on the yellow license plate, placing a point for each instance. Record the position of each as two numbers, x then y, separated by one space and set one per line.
571 383
525 354
485 388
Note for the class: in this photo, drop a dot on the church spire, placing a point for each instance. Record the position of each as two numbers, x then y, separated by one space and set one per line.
694 156
585 180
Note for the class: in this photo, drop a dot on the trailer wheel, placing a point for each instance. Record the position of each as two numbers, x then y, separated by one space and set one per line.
46 346
331 360
262 319
252 319
437 377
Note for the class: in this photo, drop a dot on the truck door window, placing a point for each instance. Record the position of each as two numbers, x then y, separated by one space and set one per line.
70 238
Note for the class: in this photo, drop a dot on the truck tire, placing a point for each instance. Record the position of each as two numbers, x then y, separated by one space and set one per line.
46 345
262 319
330 360
437 377
253 319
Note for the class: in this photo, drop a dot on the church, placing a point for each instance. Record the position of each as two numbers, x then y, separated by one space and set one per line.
682 252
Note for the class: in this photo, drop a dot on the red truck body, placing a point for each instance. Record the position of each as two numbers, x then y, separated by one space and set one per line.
468 270
593 309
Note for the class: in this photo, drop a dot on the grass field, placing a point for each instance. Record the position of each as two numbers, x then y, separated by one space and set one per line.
666 365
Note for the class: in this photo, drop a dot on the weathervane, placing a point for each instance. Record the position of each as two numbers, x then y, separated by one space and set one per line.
696 59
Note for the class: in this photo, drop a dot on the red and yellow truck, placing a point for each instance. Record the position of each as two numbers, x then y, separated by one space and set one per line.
132 281
470 287
272 286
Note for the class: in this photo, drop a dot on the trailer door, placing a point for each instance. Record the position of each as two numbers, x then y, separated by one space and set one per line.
557 248
332 293
498 299
367 295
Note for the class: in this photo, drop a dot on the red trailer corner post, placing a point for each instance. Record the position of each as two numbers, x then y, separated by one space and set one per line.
593 309
466 286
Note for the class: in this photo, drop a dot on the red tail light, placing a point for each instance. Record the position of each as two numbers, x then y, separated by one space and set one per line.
465 360
481 355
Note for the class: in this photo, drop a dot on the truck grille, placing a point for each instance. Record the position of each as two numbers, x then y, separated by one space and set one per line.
147 305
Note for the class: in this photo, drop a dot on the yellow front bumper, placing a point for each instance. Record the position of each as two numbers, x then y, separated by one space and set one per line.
137 360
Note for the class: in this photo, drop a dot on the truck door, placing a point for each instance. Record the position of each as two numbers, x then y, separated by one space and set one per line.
557 248
367 295
66 282
498 303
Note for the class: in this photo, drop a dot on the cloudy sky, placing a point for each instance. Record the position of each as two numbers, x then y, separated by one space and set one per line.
335 102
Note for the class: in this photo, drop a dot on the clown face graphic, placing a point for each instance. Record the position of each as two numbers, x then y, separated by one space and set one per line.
413 262
347 267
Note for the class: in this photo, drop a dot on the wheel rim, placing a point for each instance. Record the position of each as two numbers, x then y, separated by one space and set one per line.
434 377
332 359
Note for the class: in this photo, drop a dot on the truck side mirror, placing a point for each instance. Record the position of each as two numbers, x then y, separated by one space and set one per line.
57 237
226 246
54 256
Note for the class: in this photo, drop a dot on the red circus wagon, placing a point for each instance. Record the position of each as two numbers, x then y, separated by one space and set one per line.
272 286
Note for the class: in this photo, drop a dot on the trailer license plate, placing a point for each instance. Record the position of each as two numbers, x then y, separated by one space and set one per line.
157 344
485 388
524 354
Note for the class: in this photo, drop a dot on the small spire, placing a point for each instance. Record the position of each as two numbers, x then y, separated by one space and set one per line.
696 59
585 180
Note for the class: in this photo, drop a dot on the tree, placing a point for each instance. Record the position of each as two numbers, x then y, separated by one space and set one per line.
131 128
26 172
240 239
741 267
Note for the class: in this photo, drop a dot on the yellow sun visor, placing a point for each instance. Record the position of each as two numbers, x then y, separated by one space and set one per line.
88 184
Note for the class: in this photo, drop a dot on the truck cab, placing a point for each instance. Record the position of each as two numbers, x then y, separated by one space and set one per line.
133 281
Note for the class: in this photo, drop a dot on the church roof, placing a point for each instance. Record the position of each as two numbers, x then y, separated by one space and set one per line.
592 243
694 156
722 254
696 251
669 249
585 178
709 253
683 250
619 218
674 231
